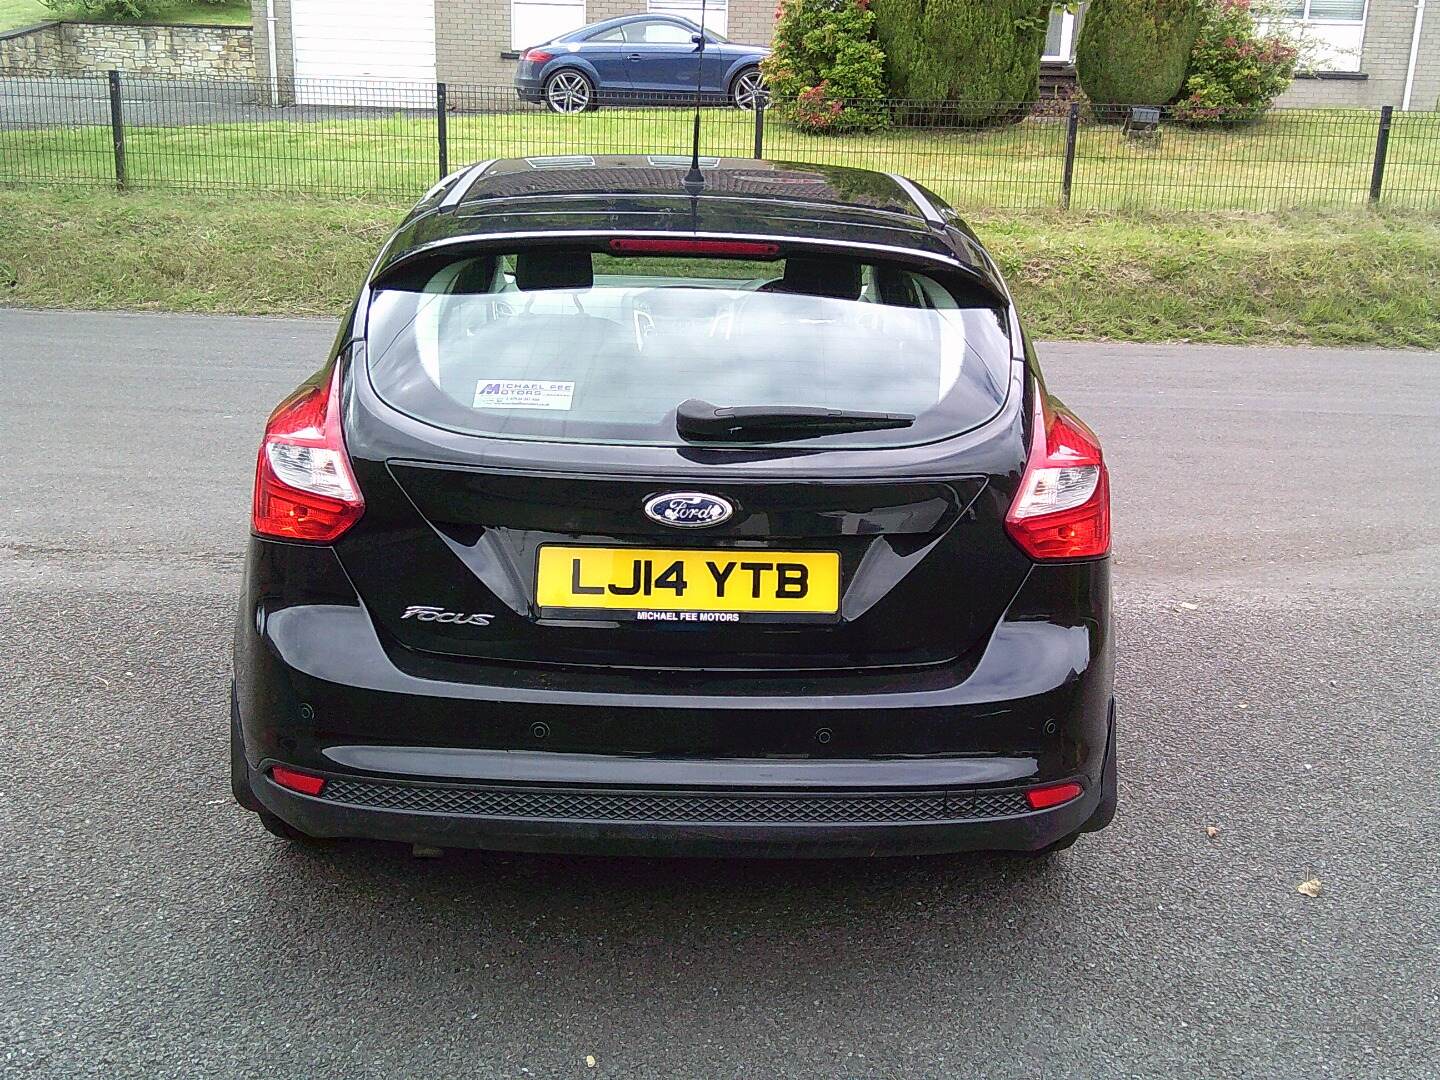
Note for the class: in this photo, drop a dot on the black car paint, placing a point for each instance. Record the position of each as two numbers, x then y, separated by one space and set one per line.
325 682
801 203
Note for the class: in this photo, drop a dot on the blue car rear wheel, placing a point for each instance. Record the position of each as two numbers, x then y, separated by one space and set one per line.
569 91
748 90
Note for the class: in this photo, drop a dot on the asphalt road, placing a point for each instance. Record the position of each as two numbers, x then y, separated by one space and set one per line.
1278 579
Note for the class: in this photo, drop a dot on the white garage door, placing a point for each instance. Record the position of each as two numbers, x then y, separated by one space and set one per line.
347 50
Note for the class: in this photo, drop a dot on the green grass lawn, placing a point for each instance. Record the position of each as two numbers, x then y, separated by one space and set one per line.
1354 277
229 13
15 13
1290 159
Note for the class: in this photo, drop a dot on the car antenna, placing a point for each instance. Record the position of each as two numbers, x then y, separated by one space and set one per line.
694 181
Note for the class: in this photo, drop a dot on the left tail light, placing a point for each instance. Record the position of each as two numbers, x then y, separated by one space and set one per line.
304 486
1062 510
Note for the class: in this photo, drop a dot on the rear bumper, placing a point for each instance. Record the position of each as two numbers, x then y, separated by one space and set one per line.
752 821
452 753
529 89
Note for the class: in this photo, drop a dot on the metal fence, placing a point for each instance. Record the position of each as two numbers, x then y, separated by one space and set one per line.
392 139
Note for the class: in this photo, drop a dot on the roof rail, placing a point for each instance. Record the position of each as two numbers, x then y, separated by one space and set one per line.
927 208
440 185
464 184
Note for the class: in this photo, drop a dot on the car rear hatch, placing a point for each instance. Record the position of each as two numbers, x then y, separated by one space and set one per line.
532 497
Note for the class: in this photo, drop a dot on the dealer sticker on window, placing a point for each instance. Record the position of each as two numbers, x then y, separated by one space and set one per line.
523 394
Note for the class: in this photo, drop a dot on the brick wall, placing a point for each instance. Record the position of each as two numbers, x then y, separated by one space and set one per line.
470 35
752 21
75 48
1383 58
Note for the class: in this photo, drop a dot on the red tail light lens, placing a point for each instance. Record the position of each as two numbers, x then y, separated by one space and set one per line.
298 781
748 248
304 487
1062 510
538 56
1043 798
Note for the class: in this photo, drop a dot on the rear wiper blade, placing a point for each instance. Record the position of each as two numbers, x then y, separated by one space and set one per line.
696 419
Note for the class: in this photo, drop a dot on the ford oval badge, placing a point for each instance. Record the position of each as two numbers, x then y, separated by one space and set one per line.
688 509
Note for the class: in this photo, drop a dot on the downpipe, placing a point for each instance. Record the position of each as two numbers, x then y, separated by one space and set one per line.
1414 53
274 68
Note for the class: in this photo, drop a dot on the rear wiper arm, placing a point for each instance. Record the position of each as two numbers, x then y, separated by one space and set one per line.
696 419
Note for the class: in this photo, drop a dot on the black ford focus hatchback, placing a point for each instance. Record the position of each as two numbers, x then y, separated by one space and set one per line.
636 515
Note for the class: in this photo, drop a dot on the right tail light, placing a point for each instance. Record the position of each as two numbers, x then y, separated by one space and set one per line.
1062 510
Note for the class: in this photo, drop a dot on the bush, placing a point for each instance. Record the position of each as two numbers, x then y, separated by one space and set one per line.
104 9
114 10
971 60
1235 72
825 71
1136 52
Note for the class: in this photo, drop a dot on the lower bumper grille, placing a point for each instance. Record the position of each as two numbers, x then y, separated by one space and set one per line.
729 808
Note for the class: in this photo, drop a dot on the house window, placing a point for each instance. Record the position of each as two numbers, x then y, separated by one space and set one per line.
717 12
1344 10
1333 30
1060 36
535 21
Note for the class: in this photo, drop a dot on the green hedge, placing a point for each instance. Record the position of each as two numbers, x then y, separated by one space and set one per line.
1135 52
969 60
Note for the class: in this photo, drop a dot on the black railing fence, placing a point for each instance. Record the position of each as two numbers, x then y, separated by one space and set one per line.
392 140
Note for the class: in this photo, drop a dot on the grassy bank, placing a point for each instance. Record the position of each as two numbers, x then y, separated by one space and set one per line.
15 13
1351 278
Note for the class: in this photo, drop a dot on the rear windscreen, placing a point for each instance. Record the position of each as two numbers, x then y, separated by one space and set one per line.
594 347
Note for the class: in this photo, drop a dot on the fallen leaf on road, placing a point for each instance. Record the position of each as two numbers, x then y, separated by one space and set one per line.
1212 831
1309 888
589 1061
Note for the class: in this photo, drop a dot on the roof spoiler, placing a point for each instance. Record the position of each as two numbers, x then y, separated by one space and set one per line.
451 248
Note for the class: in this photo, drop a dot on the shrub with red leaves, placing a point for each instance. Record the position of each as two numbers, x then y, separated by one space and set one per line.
1235 71
826 73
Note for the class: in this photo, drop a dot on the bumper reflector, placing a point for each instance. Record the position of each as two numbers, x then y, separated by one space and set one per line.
304 783
1045 797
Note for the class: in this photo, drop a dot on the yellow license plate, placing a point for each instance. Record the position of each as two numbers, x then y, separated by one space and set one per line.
646 579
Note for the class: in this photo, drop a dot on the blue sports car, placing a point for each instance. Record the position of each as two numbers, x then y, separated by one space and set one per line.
645 57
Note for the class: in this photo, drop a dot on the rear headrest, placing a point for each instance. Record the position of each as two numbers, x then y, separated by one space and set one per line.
476 276
833 277
553 270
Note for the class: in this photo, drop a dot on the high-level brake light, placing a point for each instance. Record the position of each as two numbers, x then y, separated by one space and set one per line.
304 486
1062 510
682 246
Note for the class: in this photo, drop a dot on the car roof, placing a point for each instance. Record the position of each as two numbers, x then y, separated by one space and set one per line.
622 20
613 194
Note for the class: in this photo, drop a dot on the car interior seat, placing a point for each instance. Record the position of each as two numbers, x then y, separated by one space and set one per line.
536 270
836 278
